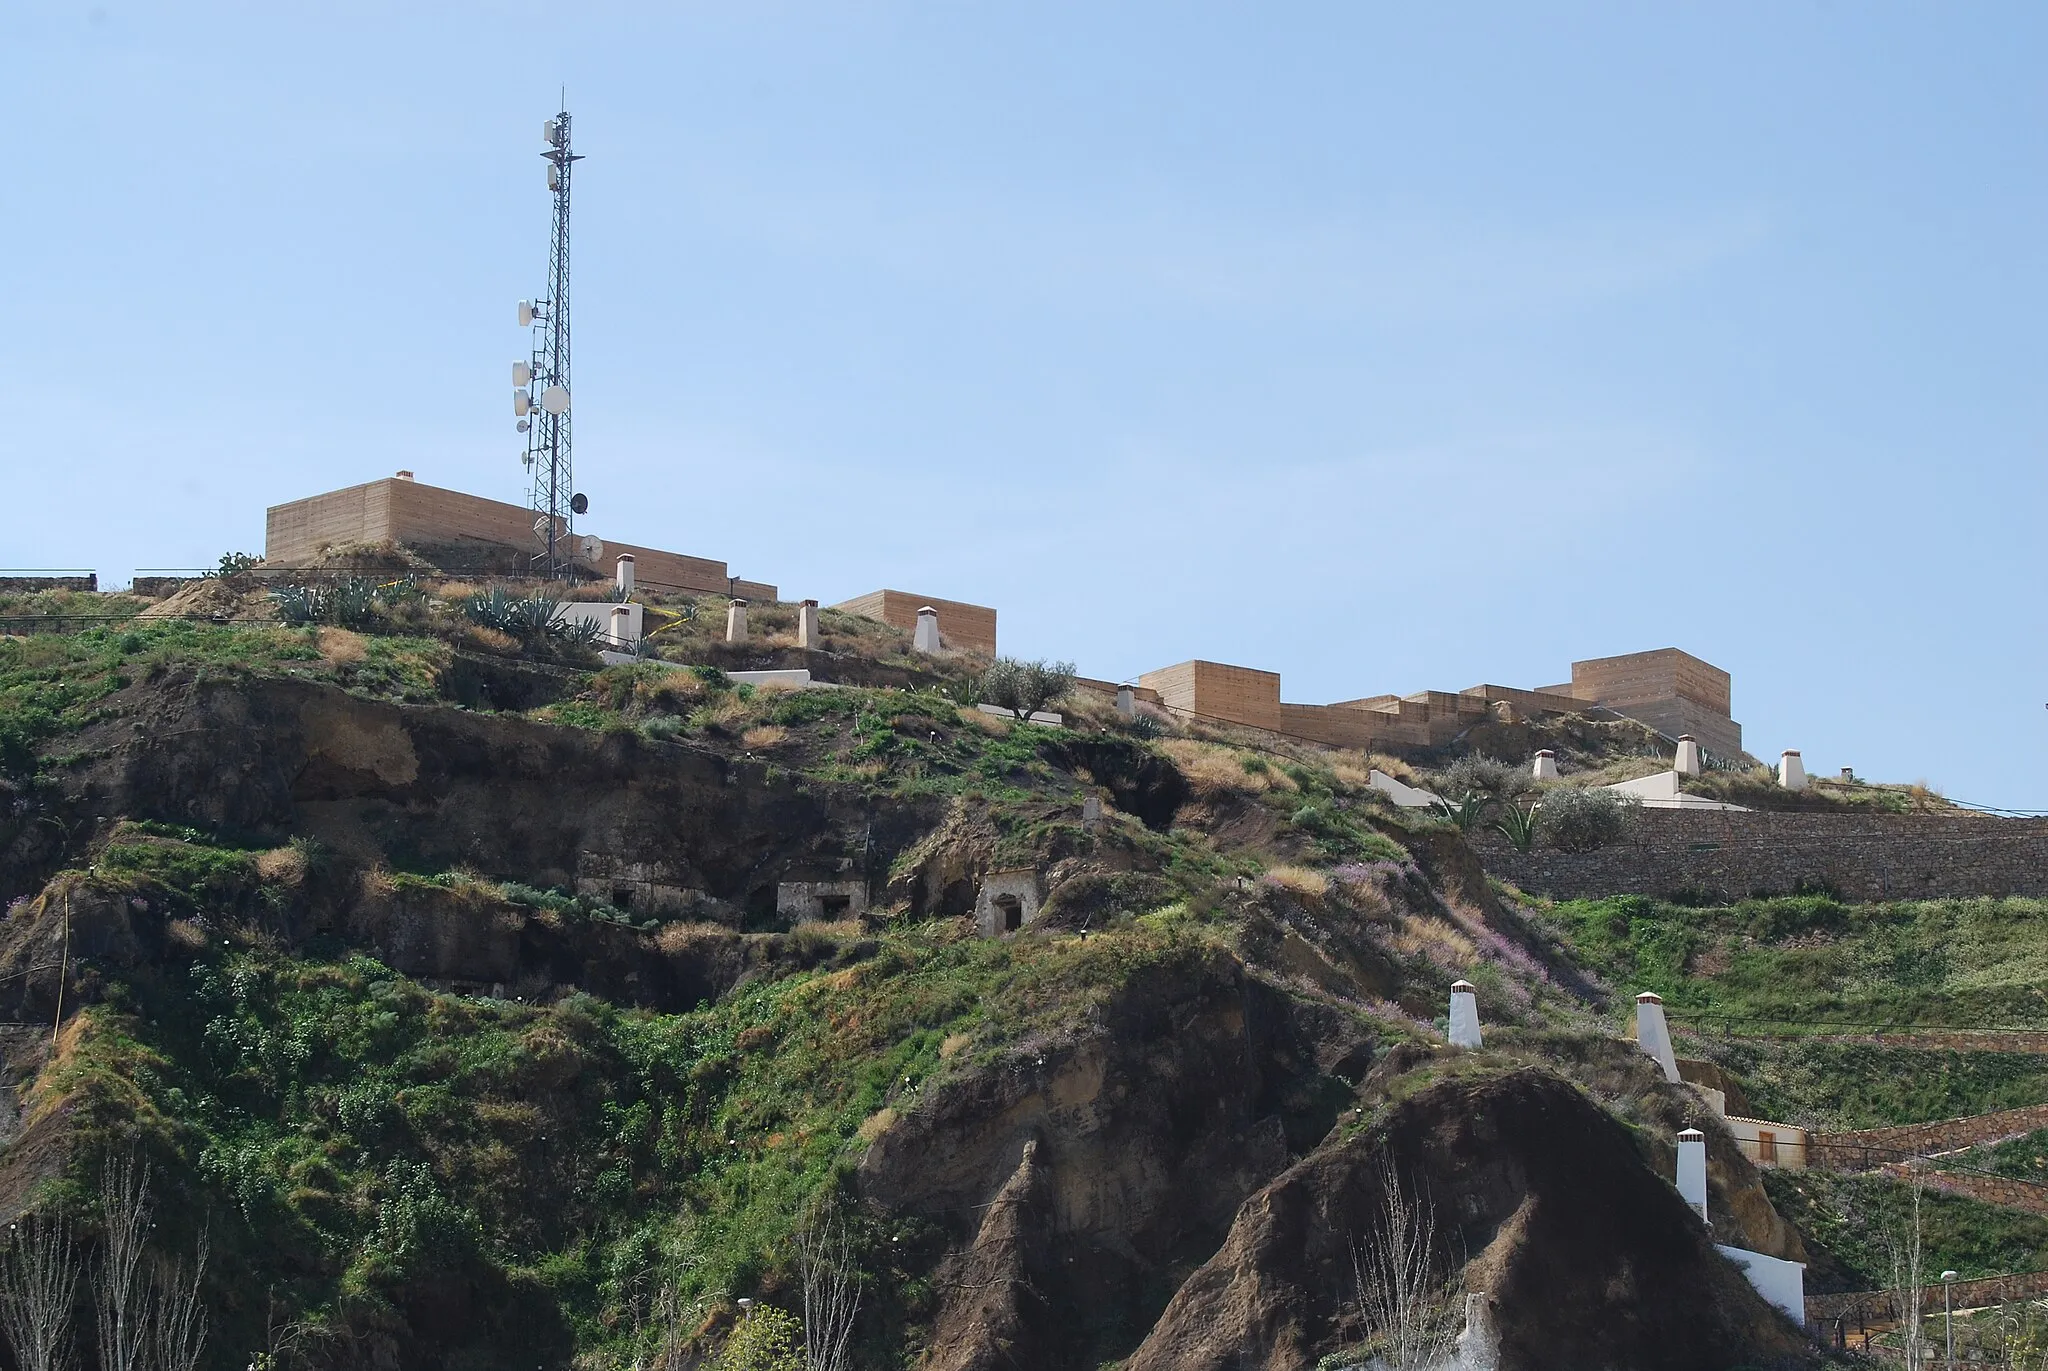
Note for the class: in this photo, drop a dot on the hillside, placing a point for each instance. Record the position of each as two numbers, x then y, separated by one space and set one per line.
443 980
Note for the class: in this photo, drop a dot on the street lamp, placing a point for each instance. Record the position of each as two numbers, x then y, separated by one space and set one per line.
1948 1317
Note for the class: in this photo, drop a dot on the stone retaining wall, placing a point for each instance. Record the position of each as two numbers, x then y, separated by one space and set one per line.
1726 855
1973 1294
1998 1190
1848 1150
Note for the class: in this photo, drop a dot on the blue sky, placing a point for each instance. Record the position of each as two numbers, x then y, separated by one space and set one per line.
1387 347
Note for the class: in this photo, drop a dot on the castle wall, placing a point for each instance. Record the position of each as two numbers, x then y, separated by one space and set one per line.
460 530
968 628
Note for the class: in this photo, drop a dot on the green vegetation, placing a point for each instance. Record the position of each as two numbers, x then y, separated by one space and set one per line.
1848 1218
371 1135
1813 961
1845 1085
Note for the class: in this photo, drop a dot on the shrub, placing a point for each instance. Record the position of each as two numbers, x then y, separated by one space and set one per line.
1477 775
1581 820
768 1339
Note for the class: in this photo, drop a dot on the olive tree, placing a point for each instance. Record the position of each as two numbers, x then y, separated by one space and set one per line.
1023 687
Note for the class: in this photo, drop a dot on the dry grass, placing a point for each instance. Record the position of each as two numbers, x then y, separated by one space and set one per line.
340 647
762 737
726 711
1303 882
987 723
1213 769
283 865
675 939
187 935
453 591
876 1124
489 639
953 1046
1431 937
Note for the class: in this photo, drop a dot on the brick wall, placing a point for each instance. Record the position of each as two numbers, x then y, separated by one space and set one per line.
970 628
1727 856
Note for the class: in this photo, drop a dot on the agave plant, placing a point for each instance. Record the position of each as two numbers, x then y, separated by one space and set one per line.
532 616
1466 813
579 632
349 602
490 609
297 605
1520 827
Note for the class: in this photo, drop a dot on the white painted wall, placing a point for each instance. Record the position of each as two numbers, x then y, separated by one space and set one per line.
599 612
1406 796
1790 1140
1780 1282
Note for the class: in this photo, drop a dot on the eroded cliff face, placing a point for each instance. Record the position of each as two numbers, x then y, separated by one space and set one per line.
1589 1258
1079 1182
665 827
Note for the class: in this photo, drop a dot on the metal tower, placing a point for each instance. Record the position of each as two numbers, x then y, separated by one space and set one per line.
542 400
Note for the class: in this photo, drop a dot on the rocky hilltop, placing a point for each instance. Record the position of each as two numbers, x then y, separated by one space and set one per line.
452 989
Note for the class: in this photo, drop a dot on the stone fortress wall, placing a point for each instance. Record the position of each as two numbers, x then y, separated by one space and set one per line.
1671 691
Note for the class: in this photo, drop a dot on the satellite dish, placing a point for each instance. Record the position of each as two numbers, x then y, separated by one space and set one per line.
526 459
555 399
549 131
523 425
554 177
526 314
522 403
579 503
593 548
521 373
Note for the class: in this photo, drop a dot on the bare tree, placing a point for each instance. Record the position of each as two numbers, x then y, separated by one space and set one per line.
824 1258
1909 1282
1411 1310
177 1319
121 1295
38 1293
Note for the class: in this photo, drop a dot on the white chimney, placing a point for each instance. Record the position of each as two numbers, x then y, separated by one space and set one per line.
625 573
807 625
927 637
1791 771
1126 703
622 628
1464 1014
405 476
1546 765
1688 763
736 622
1692 1170
1653 1035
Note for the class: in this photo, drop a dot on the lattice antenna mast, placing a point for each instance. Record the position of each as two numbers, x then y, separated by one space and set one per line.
542 402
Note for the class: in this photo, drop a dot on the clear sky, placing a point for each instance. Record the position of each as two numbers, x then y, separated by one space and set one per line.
1389 347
